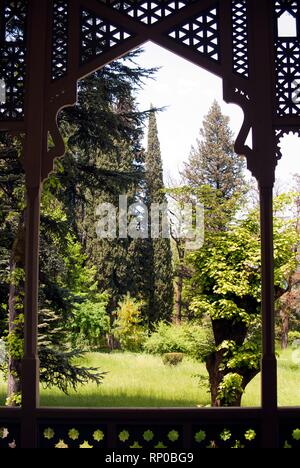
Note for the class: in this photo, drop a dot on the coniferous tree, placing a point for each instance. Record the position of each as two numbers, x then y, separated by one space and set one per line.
213 161
96 126
159 255
106 160
54 276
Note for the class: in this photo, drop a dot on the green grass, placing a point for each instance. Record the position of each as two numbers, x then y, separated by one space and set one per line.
288 383
136 380
133 380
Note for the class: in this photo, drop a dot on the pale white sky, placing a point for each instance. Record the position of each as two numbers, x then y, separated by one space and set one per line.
189 91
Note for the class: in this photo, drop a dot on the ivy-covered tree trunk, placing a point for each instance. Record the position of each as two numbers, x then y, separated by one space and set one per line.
230 396
227 385
16 317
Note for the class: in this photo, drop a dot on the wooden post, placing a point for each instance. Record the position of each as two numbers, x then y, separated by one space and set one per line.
30 363
34 148
264 164
269 363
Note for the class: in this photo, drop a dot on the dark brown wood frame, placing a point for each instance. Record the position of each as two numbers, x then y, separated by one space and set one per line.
256 94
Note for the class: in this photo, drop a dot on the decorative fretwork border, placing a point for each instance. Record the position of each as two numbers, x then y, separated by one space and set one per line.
172 430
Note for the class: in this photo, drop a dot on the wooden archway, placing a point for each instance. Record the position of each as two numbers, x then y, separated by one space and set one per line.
62 41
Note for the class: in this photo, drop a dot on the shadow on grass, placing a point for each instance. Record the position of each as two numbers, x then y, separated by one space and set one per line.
95 401
107 401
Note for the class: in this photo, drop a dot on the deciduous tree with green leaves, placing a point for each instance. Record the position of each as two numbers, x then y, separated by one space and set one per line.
228 282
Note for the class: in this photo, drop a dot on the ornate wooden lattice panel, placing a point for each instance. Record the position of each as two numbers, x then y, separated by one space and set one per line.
289 434
13 58
201 34
200 437
287 50
240 37
98 36
60 34
150 437
226 437
148 12
280 134
72 436
9 436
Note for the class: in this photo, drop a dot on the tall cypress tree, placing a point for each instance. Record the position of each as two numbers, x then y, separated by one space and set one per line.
161 293
213 161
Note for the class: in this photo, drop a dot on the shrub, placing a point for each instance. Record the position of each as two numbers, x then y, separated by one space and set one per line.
294 336
188 338
166 339
90 322
128 328
173 359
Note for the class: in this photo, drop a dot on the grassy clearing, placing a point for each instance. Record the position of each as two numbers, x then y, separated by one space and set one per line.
288 383
136 380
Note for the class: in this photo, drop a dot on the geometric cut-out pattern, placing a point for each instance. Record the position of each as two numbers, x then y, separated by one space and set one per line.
288 77
150 437
72 436
148 12
287 52
9 437
289 436
240 37
280 133
230 436
171 438
98 36
287 6
13 59
60 35
200 34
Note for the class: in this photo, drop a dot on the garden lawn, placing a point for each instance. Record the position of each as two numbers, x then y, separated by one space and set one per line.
133 380
139 380
288 382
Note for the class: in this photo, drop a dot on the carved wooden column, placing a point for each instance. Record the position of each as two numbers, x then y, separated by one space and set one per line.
265 162
35 145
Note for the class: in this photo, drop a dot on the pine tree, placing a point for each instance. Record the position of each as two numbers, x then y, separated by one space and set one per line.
159 255
213 161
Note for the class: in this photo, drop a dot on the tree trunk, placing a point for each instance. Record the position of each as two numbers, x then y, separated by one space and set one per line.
237 332
216 376
213 363
16 313
178 302
284 328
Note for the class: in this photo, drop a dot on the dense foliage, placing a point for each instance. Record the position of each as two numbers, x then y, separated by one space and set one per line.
227 278
104 159
192 339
